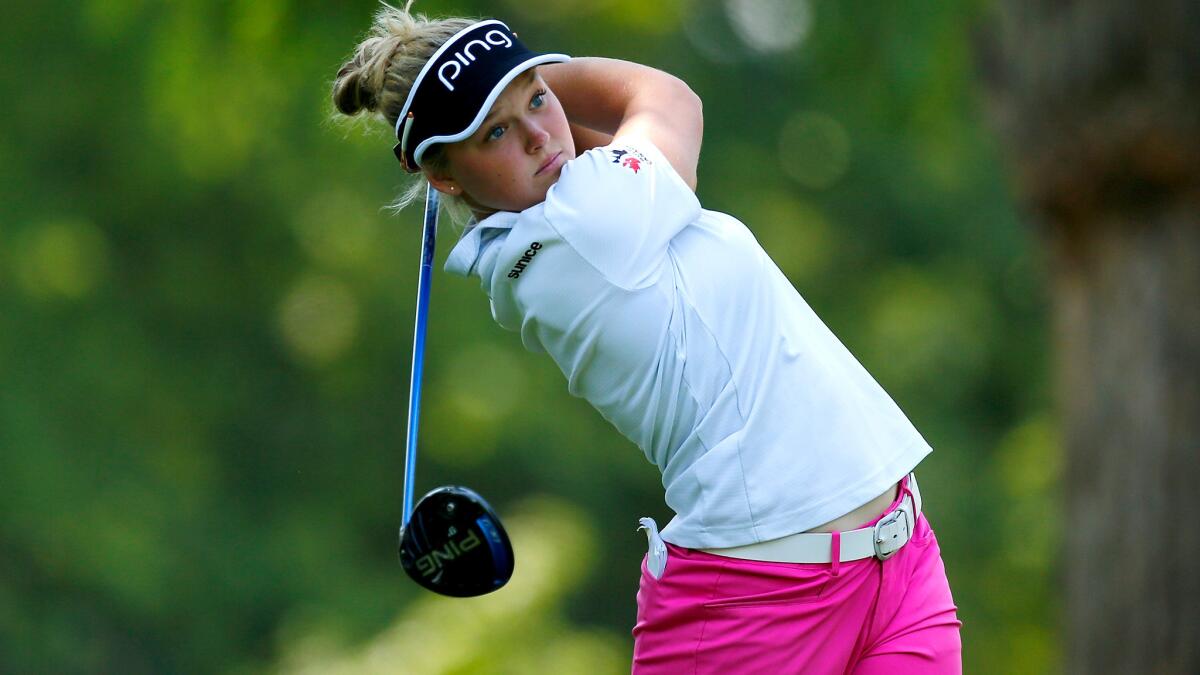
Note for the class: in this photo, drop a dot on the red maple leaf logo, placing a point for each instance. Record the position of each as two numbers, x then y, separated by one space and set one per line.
631 163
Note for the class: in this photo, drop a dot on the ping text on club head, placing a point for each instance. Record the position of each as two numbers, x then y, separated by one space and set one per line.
429 564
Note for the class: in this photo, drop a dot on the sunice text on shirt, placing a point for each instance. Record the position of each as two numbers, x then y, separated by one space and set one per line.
525 260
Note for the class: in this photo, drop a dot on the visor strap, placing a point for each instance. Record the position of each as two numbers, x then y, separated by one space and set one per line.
407 126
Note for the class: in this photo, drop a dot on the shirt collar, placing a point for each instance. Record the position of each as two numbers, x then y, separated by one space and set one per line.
465 254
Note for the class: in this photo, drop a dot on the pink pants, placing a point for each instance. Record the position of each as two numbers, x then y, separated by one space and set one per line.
712 614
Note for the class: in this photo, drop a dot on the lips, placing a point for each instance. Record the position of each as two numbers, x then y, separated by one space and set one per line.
550 164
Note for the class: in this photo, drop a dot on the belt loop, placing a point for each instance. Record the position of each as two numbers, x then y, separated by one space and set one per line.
835 553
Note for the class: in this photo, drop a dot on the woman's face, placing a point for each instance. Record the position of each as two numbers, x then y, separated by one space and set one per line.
514 157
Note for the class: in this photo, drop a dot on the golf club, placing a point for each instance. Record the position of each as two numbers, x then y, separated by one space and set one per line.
452 542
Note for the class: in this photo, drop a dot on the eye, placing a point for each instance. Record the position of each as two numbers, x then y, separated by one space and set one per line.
495 133
538 100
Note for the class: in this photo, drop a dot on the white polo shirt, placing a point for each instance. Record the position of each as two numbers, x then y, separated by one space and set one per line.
673 322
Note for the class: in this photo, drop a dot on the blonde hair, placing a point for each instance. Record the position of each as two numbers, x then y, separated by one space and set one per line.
376 80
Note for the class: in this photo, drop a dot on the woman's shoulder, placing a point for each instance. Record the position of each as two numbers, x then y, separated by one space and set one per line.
619 206
626 177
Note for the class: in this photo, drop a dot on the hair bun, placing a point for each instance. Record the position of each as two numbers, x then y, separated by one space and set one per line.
378 76
351 92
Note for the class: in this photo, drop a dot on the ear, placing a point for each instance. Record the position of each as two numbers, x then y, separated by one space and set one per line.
444 184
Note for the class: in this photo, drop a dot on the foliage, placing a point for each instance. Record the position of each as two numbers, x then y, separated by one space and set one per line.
205 319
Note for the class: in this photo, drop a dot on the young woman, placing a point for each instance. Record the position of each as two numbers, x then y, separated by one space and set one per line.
798 545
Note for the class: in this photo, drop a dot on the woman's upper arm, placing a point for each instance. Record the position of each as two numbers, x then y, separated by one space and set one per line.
628 99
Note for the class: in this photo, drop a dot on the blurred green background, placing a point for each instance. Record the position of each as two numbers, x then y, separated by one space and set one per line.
206 321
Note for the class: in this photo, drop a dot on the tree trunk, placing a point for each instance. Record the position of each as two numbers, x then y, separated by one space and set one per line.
1127 314
1099 105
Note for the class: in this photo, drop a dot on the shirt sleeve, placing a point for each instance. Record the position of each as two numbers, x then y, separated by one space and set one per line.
619 206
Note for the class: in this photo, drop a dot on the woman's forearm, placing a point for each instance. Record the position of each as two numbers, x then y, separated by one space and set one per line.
596 92
586 138
615 97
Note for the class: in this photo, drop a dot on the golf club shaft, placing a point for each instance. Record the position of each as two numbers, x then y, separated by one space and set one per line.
424 279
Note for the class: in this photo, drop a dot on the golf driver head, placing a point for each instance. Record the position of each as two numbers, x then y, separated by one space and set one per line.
454 544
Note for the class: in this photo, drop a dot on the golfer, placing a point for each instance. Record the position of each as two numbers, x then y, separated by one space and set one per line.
798 543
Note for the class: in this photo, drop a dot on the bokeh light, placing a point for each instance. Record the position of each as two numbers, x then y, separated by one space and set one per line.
107 19
1030 462
338 229
770 26
926 333
709 33
795 233
318 319
482 386
63 259
814 149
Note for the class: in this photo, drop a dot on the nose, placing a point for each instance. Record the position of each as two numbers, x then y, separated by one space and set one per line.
535 136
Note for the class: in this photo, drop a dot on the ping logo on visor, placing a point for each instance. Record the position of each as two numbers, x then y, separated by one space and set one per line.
458 85
494 37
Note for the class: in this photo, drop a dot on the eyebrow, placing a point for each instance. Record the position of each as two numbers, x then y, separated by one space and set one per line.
527 75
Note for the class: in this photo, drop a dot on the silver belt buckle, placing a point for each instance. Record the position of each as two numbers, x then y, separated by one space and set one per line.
892 532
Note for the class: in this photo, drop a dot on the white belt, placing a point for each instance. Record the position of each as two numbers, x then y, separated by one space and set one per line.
881 540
